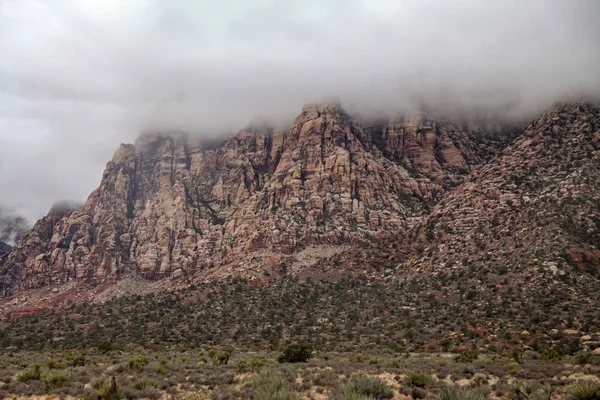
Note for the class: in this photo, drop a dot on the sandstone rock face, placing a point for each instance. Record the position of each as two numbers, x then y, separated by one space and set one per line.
533 211
171 206
441 149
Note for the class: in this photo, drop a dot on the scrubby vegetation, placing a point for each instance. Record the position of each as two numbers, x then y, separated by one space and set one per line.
189 374
350 314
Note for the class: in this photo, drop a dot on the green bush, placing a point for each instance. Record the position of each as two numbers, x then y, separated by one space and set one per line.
587 358
296 353
242 367
257 363
269 384
145 383
32 373
221 357
467 356
373 388
326 378
56 378
138 363
552 354
418 379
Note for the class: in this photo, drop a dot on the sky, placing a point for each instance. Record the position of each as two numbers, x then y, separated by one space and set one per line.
78 77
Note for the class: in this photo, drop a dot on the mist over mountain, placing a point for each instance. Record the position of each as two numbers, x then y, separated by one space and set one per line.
78 78
12 227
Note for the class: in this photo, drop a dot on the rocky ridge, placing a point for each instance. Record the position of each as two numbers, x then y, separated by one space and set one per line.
173 206
532 208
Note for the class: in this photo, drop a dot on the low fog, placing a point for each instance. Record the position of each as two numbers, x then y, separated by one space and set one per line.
12 227
79 77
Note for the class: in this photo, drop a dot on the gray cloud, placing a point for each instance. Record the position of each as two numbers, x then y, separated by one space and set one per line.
12 227
77 78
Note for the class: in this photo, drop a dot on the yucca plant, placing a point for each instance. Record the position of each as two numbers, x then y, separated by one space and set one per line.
585 390
526 390
110 391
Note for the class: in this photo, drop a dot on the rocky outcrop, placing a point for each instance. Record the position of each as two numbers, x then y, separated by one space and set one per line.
173 206
532 211
443 149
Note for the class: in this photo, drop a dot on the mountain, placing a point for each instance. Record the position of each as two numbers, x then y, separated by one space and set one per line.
422 231
174 206
516 247
533 209
4 249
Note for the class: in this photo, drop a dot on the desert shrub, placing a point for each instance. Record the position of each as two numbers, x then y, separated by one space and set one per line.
98 382
224 393
161 369
76 360
145 383
373 388
585 390
138 363
56 378
219 379
296 353
105 346
270 384
325 378
418 393
467 356
418 379
221 357
527 390
148 393
52 364
256 363
109 391
454 392
355 396
467 371
587 358
31 373
552 354
242 367
395 363
195 396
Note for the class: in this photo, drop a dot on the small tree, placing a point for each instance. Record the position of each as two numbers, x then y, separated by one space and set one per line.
295 353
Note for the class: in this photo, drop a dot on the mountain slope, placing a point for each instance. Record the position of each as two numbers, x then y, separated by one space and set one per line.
516 247
171 206
536 206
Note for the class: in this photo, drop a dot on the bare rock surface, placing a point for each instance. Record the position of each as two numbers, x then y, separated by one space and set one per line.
172 206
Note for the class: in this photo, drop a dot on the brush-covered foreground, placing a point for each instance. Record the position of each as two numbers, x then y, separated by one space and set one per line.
228 373
350 315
